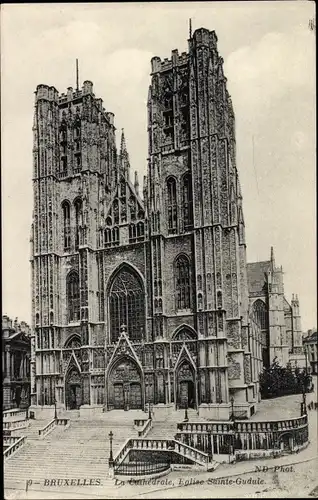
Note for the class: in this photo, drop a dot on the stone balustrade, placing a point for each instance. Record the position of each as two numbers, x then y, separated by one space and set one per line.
140 422
14 447
13 415
162 445
15 424
10 440
48 428
230 427
146 428
51 425
198 442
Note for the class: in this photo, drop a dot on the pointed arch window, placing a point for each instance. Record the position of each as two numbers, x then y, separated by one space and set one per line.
108 237
182 283
184 334
73 296
140 231
172 205
132 233
66 225
261 313
187 202
78 221
63 148
127 305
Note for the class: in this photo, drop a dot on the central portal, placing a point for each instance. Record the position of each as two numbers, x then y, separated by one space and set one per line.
73 390
186 394
125 386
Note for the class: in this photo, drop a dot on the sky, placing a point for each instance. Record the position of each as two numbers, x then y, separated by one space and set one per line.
269 61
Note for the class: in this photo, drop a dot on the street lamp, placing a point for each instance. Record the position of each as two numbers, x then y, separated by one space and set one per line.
111 459
55 410
232 408
304 409
149 411
232 446
186 418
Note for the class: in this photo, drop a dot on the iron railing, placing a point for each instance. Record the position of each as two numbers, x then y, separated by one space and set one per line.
140 468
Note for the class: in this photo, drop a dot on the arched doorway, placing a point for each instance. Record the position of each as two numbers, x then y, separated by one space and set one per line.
73 389
125 386
286 442
186 392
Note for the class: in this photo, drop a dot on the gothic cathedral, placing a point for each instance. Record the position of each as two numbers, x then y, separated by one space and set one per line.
142 298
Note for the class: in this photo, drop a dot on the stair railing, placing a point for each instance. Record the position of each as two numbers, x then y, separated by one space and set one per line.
164 445
14 447
146 428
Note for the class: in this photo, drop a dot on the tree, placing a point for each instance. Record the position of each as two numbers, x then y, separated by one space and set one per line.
277 380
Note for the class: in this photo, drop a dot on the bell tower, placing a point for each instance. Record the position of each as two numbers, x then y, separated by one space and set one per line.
195 209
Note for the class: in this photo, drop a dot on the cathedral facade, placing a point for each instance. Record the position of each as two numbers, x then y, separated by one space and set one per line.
143 299
279 319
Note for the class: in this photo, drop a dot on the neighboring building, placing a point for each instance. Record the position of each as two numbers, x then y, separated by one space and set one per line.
16 353
310 346
280 320
143 300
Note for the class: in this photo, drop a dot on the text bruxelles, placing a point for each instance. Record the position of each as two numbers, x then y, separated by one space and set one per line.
72 482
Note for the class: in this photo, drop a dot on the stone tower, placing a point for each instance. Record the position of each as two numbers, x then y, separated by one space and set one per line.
195 215
278 342
74 172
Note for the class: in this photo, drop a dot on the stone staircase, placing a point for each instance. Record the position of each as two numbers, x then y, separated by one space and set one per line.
76 452
165 427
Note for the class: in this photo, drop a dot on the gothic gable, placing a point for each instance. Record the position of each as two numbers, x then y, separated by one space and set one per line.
184 355
125 206
124 348
72 363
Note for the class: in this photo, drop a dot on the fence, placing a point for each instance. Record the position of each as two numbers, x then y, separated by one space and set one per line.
140 468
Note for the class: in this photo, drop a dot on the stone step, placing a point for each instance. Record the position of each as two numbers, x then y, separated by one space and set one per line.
60 471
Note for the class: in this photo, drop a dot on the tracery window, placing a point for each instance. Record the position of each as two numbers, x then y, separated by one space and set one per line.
184 334
108 237
78 216
73 342
172 205
187 201
63 148
66 225
132 233
260 311
127 305
182 282
73 296
140 231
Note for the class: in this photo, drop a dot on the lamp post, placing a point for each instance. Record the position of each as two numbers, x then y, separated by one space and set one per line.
55 412
186 418
55 409
111 459
304 412
149 411
232 408
232 449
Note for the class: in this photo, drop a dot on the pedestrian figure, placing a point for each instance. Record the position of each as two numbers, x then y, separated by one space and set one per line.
308 406
316 406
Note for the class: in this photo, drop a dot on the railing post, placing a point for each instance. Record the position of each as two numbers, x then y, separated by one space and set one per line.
186 419
111 458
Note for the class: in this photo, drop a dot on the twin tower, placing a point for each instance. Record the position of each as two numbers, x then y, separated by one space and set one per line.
142 298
